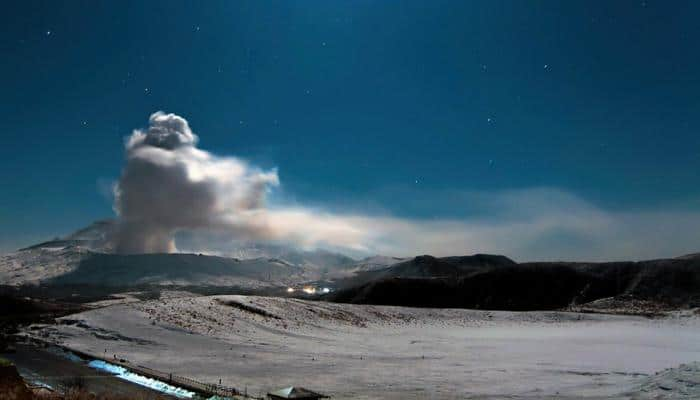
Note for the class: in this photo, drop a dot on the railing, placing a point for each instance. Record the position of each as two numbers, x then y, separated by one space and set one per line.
175 380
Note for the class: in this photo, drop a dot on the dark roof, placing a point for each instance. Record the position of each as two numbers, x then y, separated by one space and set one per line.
293 392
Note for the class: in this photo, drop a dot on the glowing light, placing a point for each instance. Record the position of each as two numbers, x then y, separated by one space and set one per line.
325 290
309 289
290 290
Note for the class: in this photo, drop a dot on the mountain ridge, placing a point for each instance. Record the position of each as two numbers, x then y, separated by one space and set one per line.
662 283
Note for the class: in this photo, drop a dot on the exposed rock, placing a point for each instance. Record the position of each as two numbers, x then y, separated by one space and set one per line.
12 386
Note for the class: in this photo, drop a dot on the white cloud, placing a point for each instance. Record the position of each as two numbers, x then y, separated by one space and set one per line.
169 186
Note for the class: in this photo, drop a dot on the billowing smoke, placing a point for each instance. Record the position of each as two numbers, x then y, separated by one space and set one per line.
169 185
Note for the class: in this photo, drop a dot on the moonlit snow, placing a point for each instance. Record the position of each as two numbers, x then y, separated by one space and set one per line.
362 352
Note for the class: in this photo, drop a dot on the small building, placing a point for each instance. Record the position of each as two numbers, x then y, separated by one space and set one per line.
295 393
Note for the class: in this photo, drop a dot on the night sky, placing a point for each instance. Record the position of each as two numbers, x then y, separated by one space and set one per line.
417 110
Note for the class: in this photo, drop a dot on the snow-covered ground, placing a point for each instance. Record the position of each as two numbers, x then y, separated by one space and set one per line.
33 266
356 351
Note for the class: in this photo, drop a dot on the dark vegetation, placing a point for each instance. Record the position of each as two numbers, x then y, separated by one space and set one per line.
78 294
431 267
71 384
497 283
20 311
249 308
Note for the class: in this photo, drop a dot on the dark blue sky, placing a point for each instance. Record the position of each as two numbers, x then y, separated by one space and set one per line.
371 105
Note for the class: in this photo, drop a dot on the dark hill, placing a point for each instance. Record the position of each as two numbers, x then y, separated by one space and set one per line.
502 284
429 266
426 266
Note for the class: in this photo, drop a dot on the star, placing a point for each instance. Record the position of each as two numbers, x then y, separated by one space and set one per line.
546 66
196 28
146 90
48 33
488 119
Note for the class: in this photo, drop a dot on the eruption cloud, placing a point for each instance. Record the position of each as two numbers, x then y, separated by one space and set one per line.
169 185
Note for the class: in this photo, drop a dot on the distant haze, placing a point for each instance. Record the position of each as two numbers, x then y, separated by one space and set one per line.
170 186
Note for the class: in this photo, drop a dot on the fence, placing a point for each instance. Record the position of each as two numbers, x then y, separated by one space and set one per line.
181 381
209 389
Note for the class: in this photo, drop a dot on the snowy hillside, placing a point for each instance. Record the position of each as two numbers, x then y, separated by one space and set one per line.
84 257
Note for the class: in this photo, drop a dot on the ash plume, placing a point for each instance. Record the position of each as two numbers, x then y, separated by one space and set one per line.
168 185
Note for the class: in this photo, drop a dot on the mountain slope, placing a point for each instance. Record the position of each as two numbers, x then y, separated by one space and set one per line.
84 257
428 267
39 264
504 285
182 269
